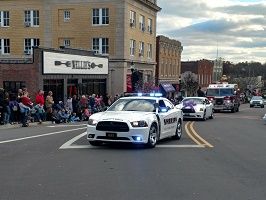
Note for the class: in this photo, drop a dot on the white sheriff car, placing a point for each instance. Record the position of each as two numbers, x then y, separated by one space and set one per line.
136 119
196 107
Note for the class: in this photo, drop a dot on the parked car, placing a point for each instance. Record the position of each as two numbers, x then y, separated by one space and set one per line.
256 101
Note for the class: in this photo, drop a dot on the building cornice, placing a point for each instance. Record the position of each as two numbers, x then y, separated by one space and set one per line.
150 4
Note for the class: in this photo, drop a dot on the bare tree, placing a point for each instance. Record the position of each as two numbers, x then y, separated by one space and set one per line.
189 83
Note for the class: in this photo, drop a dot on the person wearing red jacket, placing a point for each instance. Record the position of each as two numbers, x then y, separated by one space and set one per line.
25 106
39 105
40 98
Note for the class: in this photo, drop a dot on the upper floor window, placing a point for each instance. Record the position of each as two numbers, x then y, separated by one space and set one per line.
4 46
100 45
31 18
100 16
66 15
150 26
29 43
4 18
141 48
142 22
132 17
132 47
149 51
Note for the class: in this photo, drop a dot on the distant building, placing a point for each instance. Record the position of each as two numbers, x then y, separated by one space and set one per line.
217 69
202 68
168 58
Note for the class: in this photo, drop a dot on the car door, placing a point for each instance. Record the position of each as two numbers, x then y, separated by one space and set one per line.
168 118
208 107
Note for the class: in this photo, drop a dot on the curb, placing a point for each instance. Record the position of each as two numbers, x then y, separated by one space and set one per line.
32 124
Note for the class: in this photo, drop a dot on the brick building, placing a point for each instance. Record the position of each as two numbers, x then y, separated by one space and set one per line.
124 30
202 68
168 58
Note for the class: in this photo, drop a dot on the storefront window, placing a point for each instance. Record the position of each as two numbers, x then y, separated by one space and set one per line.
56 86
13 86
94 86
72 87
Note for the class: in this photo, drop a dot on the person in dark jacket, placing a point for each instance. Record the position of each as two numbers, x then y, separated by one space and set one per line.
200 92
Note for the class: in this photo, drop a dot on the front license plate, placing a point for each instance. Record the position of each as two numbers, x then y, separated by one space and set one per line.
111 135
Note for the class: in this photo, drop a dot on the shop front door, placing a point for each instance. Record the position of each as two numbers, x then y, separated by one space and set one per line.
56 86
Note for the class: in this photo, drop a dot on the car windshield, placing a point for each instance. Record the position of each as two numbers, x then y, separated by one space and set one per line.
256 98
220 92
142 105
194 101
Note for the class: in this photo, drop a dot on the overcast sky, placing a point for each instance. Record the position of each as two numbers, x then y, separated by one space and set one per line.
236 27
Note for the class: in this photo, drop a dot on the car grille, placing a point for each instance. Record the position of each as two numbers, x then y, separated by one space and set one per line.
112 126
219 101
256 102
109 138
188 110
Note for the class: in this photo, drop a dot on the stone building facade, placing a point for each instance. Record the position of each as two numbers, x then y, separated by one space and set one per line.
168 57
123 30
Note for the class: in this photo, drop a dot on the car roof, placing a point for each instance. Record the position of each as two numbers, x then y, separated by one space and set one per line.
195 98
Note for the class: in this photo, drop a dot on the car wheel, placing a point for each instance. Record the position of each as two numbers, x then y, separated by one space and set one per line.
262 106
233 110
95 143
153 136
250 106
212 115
204 116
178 132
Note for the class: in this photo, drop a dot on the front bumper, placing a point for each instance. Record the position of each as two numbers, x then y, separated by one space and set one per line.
137 135
196 115
224 107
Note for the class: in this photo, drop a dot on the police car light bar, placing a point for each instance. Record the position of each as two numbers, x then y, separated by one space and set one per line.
152 94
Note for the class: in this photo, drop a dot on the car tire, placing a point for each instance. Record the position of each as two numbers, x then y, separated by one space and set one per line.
95 143
262 106
212 115
250 106
178 132
153 136
204 116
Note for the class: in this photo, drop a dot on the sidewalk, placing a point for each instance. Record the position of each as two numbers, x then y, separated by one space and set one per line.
9 126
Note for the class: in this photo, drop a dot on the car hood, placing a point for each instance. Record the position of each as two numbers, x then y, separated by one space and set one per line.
120 116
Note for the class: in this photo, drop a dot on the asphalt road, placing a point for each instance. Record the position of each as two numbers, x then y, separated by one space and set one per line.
56 162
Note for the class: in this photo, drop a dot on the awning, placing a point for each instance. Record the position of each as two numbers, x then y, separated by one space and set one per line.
168 87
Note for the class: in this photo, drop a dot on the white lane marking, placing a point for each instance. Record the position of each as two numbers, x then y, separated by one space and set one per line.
37 136
68 144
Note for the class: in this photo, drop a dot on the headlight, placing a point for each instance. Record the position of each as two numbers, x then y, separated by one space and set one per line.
228 101
141 123
92 122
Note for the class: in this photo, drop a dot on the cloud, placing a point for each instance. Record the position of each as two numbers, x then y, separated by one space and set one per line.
238 27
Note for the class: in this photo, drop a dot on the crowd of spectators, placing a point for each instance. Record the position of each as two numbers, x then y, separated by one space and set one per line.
23 108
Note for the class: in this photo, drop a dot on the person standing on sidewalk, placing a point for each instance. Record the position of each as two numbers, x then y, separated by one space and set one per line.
6 109
49 102
39 106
